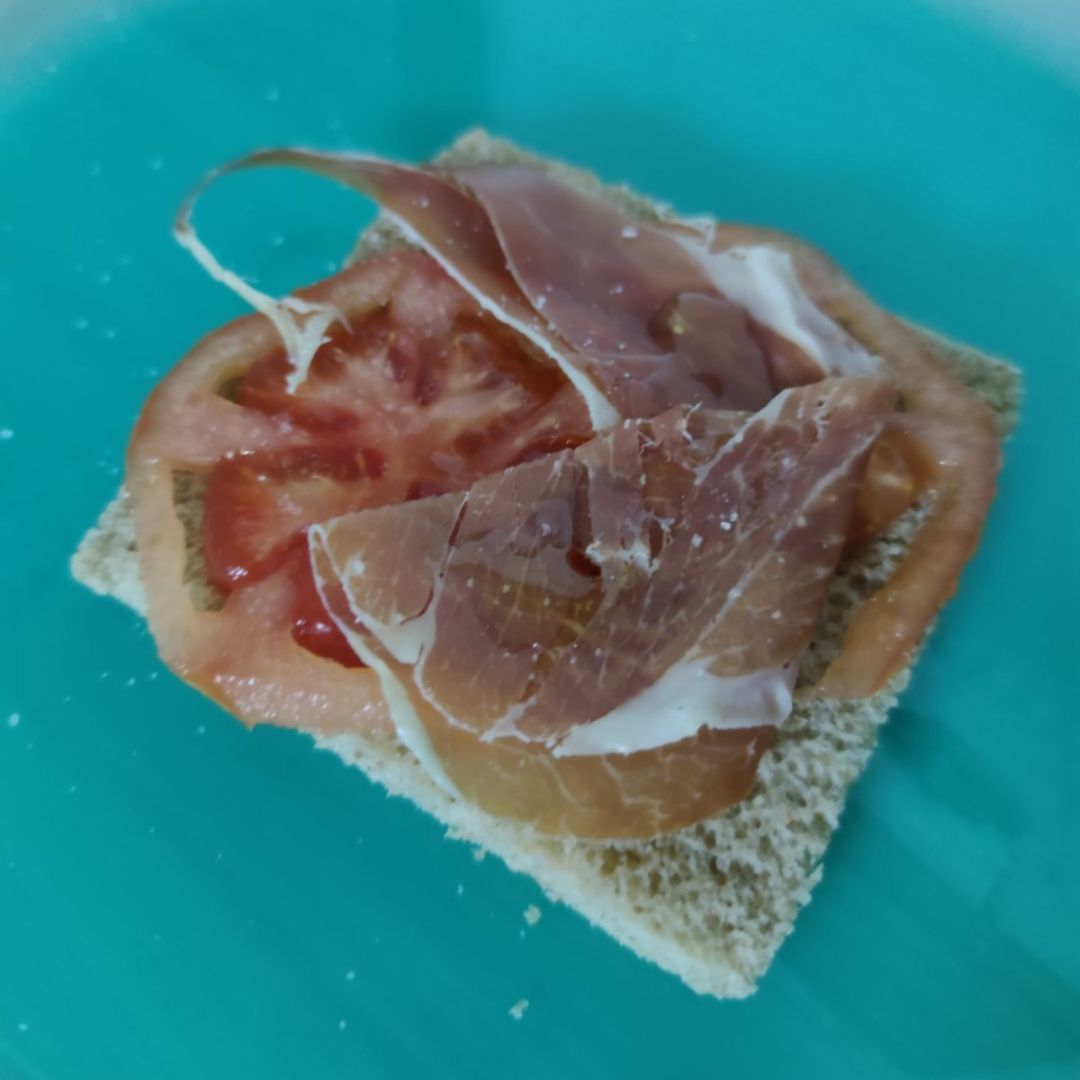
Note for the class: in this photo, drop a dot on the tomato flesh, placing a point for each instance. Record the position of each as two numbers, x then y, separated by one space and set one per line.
312 627
257 505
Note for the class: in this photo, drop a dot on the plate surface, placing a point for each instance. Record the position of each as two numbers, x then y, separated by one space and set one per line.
182 898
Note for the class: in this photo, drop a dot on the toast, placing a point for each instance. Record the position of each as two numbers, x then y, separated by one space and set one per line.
710 903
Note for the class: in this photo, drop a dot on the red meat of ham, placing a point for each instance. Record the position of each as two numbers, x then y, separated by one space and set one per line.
546 597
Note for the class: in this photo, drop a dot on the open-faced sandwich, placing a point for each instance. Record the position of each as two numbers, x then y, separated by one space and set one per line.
605 535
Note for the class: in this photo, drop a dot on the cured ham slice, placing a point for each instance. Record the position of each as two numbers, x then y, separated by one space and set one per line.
942 446
639 316
674 567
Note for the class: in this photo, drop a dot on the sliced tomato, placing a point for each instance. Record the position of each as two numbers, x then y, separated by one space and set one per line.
417 392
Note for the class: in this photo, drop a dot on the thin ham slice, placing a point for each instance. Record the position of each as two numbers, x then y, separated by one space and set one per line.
683 551
630 310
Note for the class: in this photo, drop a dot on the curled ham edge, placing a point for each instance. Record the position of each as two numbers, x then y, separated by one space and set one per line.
948 433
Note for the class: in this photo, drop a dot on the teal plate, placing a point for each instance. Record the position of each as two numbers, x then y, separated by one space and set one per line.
182 898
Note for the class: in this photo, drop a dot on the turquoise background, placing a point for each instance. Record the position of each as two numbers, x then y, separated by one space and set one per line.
182 898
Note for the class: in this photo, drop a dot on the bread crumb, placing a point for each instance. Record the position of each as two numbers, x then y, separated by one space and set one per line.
349 976
14 720
341 1025
460 889
517 1010
478 854
6 433
532 914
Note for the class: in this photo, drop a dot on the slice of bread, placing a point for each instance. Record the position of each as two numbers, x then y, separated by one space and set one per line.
713 902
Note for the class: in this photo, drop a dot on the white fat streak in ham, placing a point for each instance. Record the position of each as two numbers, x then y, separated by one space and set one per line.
763 280
684 700
301 324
